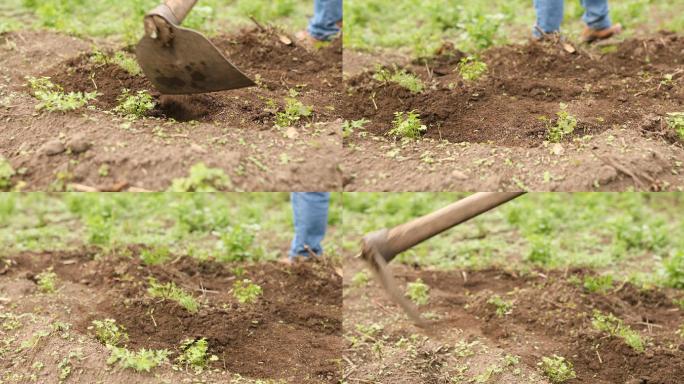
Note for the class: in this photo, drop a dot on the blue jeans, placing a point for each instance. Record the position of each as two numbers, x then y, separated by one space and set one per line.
310 221
327 13
550 15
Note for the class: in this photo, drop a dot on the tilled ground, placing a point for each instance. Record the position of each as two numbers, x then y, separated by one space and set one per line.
232 130
489 133
293 332
467 340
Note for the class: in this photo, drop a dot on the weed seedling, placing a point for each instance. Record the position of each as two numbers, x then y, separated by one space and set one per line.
615 327
600 284
294 111
134 106
155 256
202 179
6 173
194 354
674 270
348 127
676 123
47 281
360 279
418 292
565 125
557 369
407 124
142 361
108 332
471 68
245 291
53 98
400 77
502 306
170 291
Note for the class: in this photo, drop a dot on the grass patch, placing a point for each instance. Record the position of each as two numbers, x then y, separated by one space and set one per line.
155 256
246 292
502 306
400 77
557 369
418 292
472 68
407 125
53 98
6 174
170 291
143 360
134 106
202 179
600 284
349 126
47 281
615 327
125 61
674 270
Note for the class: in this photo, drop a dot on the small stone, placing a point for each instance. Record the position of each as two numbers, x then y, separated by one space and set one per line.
52 148
78 144
557 149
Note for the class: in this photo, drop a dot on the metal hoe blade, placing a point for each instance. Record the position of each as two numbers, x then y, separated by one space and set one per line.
189 64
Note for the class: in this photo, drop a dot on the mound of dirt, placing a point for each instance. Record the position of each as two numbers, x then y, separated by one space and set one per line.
522 90
298 319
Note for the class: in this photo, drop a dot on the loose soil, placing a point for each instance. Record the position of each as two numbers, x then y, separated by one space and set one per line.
233 130
614 91
292 333
549 316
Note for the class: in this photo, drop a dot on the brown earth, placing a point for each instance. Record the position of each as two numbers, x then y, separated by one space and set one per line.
232 130
292 333
549 316
616 92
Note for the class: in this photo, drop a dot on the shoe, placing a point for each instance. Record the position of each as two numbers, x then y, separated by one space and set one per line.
590 35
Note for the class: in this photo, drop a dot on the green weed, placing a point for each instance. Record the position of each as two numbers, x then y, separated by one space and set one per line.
125 61
236 243
108 332
565 125
53 98
471 68
245 291
599 284
293 113
143 360
155 256
407 124
615 327
400 77
47 281
194 354
134 106
541 250
360 279
557 369
418 292
170 291
674 270
6 174
676 123
348 127
202 179
502 306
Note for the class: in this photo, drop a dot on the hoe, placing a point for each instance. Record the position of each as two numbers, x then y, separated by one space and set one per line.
178 60
381 247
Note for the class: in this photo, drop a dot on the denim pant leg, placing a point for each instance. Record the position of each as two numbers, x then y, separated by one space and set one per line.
596 14
549 16
310 221
327 13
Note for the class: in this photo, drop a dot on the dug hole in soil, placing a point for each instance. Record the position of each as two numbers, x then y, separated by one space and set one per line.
292 332
551 315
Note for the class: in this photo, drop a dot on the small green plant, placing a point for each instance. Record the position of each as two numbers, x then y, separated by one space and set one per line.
360 279
676 122
600 284
143 360
615 327
155 256
246 292
400 77
407 124
119 58
53 98
541 251
236 243
47 281
294 111
674 270
418 292
108 332
471 68
557 369
348 127
194 354
170 291
502 306
202 179
6 174
134 106
565 125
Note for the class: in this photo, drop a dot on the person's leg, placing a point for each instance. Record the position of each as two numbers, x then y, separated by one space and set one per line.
310 211
596 14
325 23
549 16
